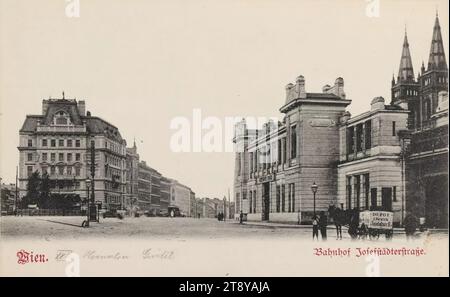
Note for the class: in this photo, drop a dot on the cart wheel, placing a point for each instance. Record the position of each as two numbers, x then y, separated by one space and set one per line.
374 234
389 234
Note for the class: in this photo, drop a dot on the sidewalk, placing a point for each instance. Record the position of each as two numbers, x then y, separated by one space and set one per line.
330 227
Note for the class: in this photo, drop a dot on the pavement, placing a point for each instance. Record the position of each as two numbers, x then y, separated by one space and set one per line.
330 227
59 227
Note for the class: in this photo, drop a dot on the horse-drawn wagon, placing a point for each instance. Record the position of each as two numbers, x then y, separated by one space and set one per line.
374 223
361 224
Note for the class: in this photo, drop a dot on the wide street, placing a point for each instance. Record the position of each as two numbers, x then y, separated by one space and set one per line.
156 246
59 227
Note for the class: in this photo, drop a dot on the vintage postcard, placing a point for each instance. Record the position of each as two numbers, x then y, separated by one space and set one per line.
238 138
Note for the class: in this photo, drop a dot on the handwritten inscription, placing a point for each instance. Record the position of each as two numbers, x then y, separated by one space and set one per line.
157 254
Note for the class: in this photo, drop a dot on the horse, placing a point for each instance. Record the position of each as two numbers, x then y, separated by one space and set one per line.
348 217
339 218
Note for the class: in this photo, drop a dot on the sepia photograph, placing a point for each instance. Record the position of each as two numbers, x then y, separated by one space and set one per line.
229 139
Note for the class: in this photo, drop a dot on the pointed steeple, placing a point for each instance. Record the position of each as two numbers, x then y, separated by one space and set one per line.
437 55
405 71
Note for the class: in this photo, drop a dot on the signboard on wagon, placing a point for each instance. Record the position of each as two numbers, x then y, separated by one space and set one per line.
377 219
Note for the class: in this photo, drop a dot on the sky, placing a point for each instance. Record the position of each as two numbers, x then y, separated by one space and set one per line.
139 64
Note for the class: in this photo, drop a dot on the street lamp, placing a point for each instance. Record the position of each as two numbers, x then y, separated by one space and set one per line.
314 188
88 185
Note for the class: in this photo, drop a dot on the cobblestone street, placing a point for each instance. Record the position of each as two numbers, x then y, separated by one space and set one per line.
59 227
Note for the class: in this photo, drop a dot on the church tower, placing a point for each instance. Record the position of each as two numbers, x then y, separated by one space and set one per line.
434 79
405 91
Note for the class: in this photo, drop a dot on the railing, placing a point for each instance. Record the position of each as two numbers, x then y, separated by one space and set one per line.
72 129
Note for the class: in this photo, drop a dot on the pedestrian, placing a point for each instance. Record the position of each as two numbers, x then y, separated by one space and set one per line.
323 222
410 225
241 217
315 224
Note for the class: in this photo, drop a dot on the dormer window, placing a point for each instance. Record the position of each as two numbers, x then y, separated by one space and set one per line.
61 118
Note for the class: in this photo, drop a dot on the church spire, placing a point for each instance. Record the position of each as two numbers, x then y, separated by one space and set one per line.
405 71
437 55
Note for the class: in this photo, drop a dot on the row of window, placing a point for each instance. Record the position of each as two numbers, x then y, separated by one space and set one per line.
61 142
406 92
113 160
362 196
281 205
60 170
359 137
440 79
114 147
271 154
69 157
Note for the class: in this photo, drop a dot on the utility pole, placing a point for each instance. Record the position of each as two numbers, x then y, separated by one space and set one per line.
225 208
91 203
229 201
17 192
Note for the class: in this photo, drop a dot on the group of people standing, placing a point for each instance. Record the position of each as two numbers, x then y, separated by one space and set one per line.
320 222
221 216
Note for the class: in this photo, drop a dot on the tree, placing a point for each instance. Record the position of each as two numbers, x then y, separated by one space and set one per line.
33 194
44 196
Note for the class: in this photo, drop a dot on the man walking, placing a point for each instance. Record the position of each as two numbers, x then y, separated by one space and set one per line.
410 225
241 217
315 223
323 222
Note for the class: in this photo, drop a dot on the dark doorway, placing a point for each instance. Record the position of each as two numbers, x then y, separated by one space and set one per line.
373 198
266 201
436 201
386 199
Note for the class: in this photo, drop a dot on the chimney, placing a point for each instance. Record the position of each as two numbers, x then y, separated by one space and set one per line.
44 106
339 87
81 105
300 87
289 96
377 103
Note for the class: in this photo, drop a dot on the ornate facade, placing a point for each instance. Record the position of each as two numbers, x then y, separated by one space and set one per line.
393 157
426 141
58 141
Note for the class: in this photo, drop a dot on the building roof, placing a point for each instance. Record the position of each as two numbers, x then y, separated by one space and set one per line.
405 70
56 105
30 123
97 125
437 59
51 107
